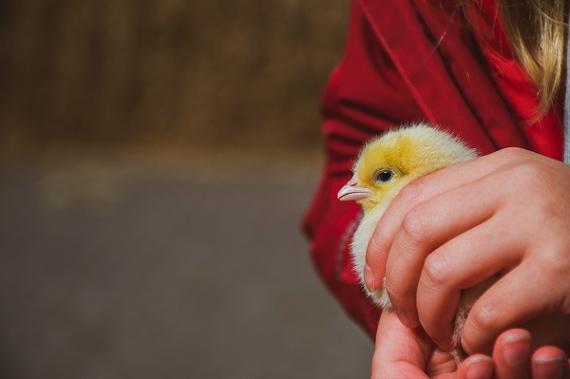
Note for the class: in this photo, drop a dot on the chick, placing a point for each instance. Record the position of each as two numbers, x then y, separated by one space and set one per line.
384 167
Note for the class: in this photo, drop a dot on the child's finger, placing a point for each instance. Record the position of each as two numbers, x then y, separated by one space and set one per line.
400 352
476 366
428 226
550 362
463 262
506 303
512 353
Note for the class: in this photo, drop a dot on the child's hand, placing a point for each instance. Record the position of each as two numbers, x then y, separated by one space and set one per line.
406 353
505 213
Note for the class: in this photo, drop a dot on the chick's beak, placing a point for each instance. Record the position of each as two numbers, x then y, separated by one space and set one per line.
351 191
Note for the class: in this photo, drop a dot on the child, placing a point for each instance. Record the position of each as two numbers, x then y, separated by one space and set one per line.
452 64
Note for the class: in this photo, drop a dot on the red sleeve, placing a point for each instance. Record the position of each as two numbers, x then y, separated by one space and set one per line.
405 61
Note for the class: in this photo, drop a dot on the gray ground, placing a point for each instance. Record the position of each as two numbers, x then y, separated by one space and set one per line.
139 271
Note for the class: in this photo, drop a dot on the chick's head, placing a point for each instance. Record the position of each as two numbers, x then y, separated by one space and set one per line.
386 164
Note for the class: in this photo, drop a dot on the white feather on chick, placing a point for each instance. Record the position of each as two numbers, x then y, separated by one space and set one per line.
386 165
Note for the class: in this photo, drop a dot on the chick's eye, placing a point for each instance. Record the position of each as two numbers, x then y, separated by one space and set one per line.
384 176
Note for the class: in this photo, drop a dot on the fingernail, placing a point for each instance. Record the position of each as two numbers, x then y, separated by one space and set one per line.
550 360
408 321
404 319
553 365
369 278
517 349
479 368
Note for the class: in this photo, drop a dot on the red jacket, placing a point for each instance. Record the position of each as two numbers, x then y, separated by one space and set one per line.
406 61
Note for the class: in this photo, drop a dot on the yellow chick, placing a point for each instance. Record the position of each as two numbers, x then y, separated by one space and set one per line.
384 167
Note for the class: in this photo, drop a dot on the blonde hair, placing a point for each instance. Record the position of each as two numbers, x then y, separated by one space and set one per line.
537 31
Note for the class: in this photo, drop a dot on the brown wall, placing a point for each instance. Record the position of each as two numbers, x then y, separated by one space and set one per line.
176 72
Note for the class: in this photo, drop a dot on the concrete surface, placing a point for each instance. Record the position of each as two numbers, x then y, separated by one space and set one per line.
125 270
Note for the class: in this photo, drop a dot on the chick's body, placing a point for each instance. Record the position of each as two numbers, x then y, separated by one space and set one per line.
385 166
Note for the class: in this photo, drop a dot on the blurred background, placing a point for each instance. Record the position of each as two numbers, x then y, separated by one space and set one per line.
156 157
